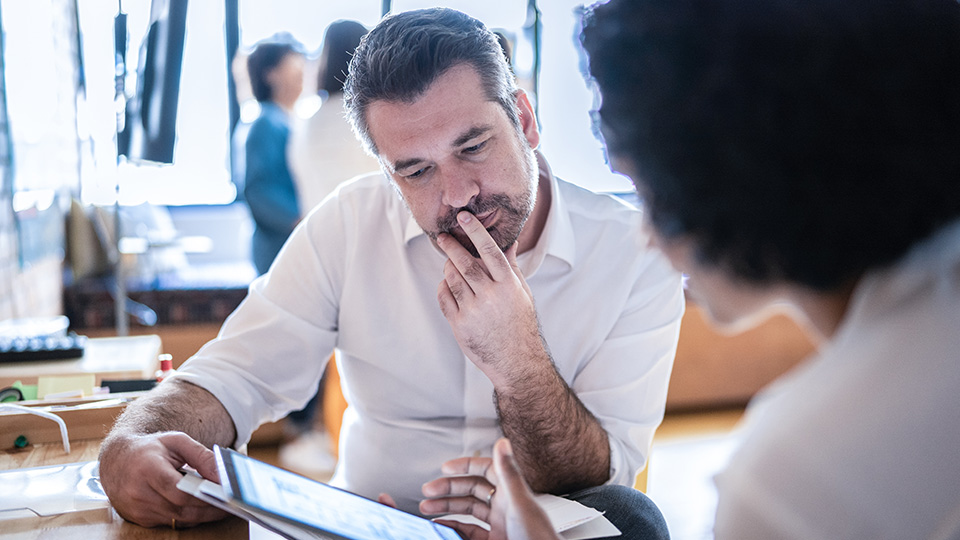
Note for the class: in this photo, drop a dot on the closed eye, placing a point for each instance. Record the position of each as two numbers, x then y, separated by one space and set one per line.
475 148
417 173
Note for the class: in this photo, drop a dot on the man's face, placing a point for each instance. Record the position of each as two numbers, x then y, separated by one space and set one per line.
453 150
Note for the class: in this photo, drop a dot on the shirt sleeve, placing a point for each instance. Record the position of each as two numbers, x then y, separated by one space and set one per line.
272 350
625 382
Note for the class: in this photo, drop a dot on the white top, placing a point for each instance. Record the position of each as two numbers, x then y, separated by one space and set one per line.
361 275
323 151
862 441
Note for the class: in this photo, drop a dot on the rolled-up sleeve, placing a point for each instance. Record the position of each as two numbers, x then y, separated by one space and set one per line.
272 350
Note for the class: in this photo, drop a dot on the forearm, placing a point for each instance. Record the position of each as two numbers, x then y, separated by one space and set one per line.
140 460
560 446
177 406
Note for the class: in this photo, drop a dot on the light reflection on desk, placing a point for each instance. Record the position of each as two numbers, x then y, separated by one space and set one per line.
99 522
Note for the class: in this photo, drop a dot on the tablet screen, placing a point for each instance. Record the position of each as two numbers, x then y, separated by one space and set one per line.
294 498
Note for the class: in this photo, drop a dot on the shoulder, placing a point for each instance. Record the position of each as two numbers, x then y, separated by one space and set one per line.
370 187
582 203
368 194
603 219
271 121
367 206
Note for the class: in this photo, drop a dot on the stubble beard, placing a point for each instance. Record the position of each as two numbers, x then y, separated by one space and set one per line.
512 213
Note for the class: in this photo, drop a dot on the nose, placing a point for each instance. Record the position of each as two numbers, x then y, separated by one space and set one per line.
459 188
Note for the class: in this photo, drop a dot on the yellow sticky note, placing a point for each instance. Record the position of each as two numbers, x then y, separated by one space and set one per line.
65 384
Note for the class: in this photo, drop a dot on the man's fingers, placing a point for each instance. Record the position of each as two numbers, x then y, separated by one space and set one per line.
448 304
503 462
183 450
511 254
187 509
472 269
192 453
511 480
455 505
474 466
191 516
459 286
386 500
477 487
490 253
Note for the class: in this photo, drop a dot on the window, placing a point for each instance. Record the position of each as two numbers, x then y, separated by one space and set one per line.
201 173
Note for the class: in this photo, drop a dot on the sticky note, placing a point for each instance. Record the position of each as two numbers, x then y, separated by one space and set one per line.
65 385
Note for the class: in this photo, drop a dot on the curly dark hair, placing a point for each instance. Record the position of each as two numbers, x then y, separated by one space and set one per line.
803 141
405 53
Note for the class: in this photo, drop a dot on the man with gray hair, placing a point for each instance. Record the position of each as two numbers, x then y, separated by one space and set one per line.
441 303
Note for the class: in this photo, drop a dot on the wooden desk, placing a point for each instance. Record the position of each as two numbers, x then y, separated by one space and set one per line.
99 523
132 357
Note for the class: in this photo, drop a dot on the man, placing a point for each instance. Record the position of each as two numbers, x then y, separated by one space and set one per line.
800 154
432 371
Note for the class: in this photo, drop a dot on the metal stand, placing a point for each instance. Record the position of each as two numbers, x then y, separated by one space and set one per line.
120 101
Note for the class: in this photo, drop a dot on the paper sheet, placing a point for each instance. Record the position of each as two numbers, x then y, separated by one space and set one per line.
572 520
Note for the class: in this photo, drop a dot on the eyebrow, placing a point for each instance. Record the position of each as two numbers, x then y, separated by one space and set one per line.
471 133
405 163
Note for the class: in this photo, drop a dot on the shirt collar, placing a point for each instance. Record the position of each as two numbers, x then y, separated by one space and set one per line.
556 240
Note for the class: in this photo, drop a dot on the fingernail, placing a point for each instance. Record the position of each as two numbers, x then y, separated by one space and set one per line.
464 217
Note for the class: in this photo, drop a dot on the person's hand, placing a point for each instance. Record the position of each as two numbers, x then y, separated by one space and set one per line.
493 491
386 500
488 303
139 474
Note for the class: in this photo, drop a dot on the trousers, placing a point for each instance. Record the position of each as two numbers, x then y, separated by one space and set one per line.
631 511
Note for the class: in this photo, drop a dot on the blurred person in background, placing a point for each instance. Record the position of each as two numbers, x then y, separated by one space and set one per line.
323 149
276 69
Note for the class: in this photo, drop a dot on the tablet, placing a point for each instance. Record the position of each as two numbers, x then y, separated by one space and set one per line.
259 487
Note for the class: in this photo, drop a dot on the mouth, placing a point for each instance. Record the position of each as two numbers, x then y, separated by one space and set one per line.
488 219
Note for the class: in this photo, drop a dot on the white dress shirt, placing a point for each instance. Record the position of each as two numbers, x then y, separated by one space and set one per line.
862 441
360 275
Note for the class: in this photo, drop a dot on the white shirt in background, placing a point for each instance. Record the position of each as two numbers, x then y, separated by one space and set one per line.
323 152
863 441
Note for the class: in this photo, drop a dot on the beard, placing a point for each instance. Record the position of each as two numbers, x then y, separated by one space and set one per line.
511 216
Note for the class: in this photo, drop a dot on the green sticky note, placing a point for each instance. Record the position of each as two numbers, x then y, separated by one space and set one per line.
29 391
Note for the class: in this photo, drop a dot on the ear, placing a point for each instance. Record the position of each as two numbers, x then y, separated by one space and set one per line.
528 121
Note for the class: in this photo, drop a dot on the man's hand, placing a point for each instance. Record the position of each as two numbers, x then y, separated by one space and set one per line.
488 304
493 491
139 474
560 445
